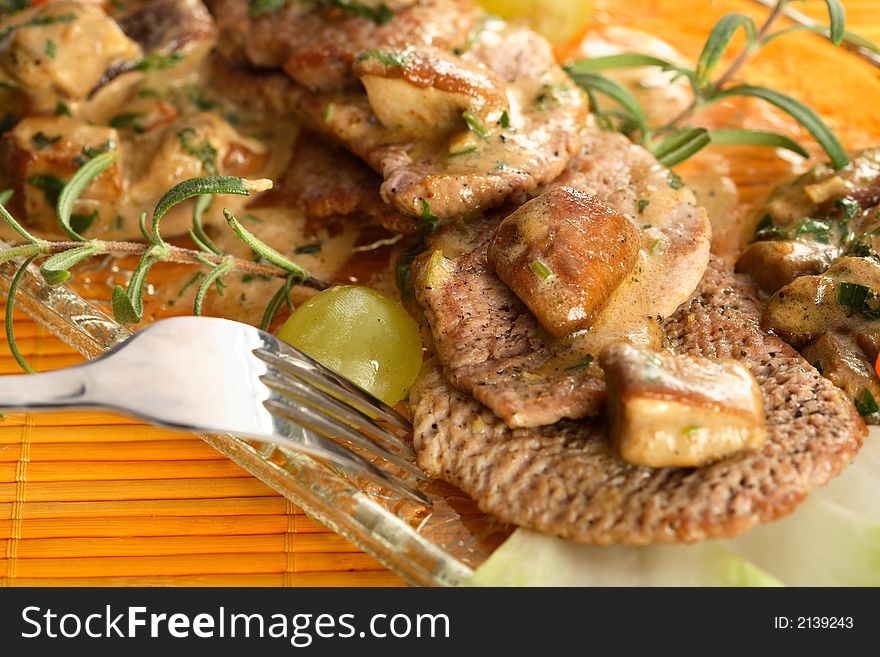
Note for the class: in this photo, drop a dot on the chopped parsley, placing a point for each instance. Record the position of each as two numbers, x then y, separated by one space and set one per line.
691 430
475 125
82 222
128 121
41 140
426 214
61 109
819 230
674 180
403 269
38 21
866 404
260 7
50 49
147 92
583 363
88 152
205 153
462 153
849 207
767 230
51 186
540 270
643 205
379 15
384 58
504 121
306 249
860 298
158 62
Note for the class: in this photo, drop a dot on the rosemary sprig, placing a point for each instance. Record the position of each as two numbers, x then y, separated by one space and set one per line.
675 142
59 257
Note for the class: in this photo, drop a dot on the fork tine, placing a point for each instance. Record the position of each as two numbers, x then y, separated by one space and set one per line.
323 401
317 445
299 364
317 420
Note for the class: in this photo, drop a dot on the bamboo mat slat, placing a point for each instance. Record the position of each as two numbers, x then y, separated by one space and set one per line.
97 499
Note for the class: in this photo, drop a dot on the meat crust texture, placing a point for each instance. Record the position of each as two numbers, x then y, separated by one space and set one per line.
516 136
566 480
491 346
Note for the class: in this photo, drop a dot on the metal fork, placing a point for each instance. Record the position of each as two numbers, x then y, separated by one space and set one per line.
219 376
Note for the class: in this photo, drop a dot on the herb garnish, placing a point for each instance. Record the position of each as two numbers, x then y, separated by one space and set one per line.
379 15
860 298
307 249
37 21
866 404
462 152
426 214
540 270
475 125
383 57
204 151
50 49
51 186
158 62
41 140
643 205
583 363
674 142
127 303
128 121
260 7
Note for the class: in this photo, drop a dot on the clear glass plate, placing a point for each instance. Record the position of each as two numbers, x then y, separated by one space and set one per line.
441 547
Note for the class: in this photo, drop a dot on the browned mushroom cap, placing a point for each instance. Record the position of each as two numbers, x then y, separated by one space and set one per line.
563 253
846 297
680 411
776 263
167 26
427 88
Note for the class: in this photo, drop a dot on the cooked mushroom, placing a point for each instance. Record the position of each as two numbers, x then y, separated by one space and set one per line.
773 264
181 31
61 51
202 144
41 153
563 253
427 89
680 411
844 298
841 360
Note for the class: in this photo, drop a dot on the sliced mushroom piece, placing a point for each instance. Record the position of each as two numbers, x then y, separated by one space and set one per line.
62 51
563 253
181 32
416 90
772 264
840 359
845 298
201 144
680 411
41 153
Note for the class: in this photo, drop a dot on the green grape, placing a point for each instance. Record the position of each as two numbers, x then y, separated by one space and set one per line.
362 335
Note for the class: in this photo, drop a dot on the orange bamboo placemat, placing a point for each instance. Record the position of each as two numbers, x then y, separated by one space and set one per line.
98 499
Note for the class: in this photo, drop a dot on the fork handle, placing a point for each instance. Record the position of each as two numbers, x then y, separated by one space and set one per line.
64 388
